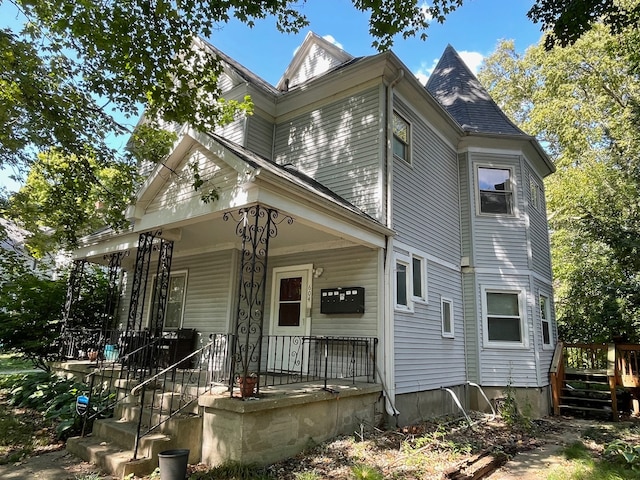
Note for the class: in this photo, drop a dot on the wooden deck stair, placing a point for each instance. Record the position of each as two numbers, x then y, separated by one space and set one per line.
595 379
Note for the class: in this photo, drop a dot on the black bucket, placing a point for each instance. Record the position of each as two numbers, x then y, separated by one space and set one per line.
173 464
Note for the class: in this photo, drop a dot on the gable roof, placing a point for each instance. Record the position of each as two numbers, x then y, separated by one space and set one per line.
459 91
290 174
314 57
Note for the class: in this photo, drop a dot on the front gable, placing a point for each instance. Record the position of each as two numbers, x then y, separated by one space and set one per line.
313 58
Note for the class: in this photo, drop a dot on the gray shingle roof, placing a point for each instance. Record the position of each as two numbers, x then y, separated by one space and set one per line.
466 100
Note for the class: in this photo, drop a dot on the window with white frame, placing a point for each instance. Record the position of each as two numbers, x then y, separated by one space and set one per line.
545 319
402 285
176 292
446 312
535 194
411 280
400 137
503 315
495 190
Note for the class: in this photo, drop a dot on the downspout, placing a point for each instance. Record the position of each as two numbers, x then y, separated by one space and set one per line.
389 377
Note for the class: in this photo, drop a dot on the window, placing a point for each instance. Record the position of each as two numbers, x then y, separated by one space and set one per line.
411 280
175 300
446 312
535 194
495 190
503 318
402 290
400 137
545 319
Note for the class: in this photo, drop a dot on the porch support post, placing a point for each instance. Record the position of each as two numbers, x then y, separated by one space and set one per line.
161 287
139 284
73 291
113 290
256 226
76 274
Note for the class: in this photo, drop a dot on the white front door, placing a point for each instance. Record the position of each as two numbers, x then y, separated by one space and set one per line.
290 318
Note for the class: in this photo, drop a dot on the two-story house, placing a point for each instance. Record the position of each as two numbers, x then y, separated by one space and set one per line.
355 206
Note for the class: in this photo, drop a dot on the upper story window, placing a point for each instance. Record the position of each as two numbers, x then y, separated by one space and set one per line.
504 319
495 189
401 137
535 194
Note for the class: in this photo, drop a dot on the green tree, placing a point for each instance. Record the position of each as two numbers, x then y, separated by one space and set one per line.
581 101
76 66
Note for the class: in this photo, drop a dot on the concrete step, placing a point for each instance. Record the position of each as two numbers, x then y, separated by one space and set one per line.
112 458
123 434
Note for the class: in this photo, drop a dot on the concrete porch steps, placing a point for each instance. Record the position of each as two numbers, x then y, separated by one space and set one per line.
112 441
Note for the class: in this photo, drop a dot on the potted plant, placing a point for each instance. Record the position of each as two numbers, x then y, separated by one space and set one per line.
247 384
92 355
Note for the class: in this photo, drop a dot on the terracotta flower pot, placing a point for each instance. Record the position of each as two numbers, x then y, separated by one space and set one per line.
247 386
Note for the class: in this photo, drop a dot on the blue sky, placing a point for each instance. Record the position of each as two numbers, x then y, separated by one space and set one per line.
473 30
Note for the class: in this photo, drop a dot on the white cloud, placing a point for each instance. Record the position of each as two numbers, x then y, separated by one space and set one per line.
329 38
473 60
426 13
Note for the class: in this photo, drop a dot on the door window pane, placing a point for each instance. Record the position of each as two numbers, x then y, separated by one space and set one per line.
289 315
290 300
175 301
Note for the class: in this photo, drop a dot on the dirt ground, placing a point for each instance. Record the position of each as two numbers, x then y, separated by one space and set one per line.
530 457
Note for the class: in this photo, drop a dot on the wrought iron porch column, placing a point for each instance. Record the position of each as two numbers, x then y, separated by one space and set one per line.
256 226
161 287
140 278
112 295
73 293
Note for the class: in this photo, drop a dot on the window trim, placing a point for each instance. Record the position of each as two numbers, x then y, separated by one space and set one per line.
524 331
447 301
406 257
535 200
512 182
394 136
176 273
550 345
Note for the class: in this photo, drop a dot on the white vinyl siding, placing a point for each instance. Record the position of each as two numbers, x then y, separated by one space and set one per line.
426 214
344 267
516 366
317 62
260 135
338 145
500 241
424 359
539 233
179 187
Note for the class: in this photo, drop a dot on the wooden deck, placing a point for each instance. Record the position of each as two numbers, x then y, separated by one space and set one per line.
590 377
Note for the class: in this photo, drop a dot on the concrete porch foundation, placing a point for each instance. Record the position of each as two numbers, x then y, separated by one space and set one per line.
281 424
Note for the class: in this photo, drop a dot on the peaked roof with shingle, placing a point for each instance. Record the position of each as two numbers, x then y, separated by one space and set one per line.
458 90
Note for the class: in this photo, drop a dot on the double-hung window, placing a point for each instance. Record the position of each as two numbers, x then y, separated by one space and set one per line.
545 320
495 190
175 301
401 138
503 316
410 280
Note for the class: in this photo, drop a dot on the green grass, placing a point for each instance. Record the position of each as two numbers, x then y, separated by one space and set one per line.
10 362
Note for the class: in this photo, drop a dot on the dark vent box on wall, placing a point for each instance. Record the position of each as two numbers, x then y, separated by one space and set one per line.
342 300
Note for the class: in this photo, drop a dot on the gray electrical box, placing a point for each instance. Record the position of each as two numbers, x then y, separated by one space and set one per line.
342 300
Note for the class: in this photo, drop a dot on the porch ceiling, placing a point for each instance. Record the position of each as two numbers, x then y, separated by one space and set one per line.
216 234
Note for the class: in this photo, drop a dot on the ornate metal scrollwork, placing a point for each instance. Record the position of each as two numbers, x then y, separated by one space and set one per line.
255 226
140 277
73 290
161 286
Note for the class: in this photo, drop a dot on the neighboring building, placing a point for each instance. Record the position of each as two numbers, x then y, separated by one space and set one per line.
418 219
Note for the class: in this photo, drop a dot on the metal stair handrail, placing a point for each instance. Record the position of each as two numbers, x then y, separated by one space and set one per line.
188 372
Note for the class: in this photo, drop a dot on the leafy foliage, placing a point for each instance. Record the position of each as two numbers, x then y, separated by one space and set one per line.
581 102
31 307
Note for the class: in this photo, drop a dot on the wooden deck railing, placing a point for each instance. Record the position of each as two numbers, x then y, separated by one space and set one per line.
620 363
